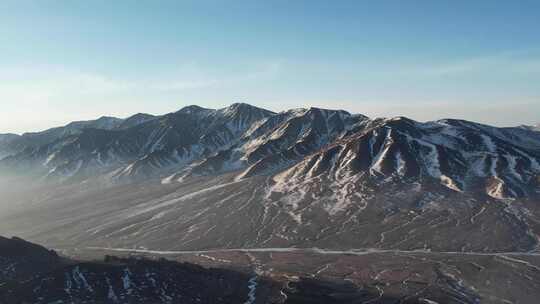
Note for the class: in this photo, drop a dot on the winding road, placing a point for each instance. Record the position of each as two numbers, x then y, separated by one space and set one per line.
362 251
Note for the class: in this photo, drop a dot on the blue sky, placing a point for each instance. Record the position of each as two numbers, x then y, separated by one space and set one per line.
70 60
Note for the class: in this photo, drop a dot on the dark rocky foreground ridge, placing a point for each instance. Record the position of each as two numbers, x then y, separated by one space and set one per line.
36 275
263 277
56 279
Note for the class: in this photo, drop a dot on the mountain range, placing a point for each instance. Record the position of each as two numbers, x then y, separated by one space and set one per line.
248 187
533 128
200 178
301 143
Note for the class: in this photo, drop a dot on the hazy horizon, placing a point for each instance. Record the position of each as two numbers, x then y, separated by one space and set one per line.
81 60
123 116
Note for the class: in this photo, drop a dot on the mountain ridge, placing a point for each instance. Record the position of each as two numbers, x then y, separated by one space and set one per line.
198 141
244 177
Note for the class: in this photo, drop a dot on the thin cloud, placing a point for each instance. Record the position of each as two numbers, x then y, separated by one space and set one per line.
510 62
264 71
46 82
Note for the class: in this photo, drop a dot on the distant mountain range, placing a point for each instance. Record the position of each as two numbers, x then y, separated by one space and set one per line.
194 141
533 128
301 177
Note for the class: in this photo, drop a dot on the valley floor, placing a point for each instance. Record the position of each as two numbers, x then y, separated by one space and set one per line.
392 276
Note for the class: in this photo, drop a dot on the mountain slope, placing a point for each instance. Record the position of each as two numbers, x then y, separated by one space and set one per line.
460 155
5 144
31 141
209 132
532 128
244 177
197 141
278 141
137 146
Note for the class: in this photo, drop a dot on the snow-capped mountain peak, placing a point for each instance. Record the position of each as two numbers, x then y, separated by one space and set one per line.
305 143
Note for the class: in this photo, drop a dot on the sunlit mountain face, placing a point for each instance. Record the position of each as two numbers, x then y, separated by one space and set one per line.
300 206
302 143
